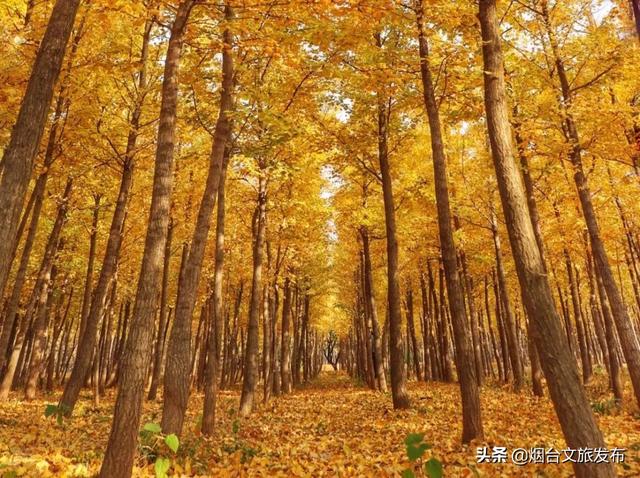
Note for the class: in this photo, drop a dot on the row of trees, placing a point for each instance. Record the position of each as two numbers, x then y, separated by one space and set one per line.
315 142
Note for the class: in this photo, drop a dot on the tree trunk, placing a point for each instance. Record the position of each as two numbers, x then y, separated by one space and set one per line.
251 351
577 315
615 381
54 349
536 373
87 340
568 396
163 319
266 344
88 281
213 352
417 362
635 6
373 311
25 138
36 308
396 348
471 414
628 339
37 196
426 330
285 349
507 316
176 378
133 374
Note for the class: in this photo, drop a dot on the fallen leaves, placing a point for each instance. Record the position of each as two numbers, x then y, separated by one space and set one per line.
330 428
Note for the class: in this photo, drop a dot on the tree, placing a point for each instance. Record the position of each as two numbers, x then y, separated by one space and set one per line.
177 374
398 370
251 355
121 448
97 299
18 157
471 421
568 396
628 339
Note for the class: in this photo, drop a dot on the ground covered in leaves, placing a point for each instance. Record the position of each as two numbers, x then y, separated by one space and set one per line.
330 428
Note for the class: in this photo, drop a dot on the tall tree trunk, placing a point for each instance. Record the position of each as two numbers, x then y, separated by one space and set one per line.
426 329
19 155
471 414
21 275
36 308
39 331
55 349
88 281
163 318
367 325
87 341
176 378
628 339
213 352
417 362
266 344
373 311
285 355
37 196
536 373
251 352
133 373
615 381
507 316
569 398
577 315
396 348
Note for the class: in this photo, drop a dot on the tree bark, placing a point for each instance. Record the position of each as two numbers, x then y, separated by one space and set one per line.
176 378
507 316
163 318
87 340
19 155
213 352
628 339
36 308
396 348
285 355
121 447
471 414
635 6
569 398
37 196
373 311
93 238
251 351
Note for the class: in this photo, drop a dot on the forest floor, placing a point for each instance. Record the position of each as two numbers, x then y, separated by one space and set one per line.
329 428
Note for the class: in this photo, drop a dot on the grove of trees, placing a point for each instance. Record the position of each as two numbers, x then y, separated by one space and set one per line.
198 197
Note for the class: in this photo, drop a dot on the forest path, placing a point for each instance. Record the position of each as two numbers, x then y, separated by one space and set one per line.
331 427
335 427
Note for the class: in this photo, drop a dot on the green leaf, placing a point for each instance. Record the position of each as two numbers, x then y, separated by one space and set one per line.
161 467
413 438
152 428
172 442
415 452
235 427
408 473
433 468
50 410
